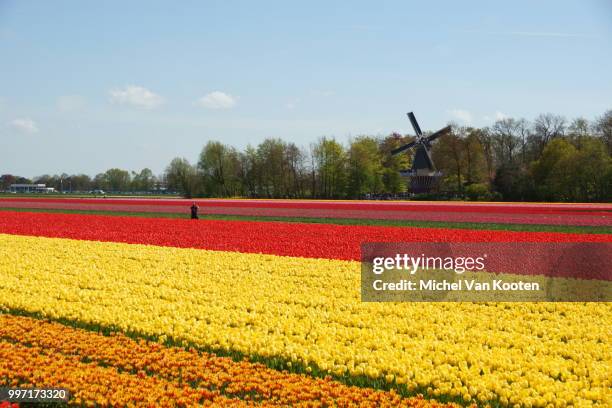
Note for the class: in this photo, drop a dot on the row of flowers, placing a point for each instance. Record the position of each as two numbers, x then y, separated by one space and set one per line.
593 215
200 370
437 206
92 384
291 239
307 312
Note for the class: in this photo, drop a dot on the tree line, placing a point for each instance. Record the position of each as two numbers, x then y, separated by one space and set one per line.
548 159
113 180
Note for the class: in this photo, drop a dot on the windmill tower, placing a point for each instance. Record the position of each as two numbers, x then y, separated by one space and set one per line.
423 175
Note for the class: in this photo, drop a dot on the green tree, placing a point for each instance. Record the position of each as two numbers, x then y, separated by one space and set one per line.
485 138
393 182
474 156
330 162
45 179
117 179
365 170
6 180
100 182
81 182
273 168
296 170
554 172
448 154
547 127
592 170
478 192
143 181
249 172
578 131
513 182
603 126
182 176
219 164
506 141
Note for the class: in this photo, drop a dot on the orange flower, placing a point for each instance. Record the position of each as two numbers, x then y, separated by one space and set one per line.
121 370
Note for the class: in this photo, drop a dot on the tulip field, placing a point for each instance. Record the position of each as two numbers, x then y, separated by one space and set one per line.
504 213
154 311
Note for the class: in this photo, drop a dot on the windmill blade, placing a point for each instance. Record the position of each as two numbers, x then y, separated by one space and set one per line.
402 148
431 163
415 124
439 133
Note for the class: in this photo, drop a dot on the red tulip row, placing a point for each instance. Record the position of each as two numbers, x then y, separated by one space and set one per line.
288 239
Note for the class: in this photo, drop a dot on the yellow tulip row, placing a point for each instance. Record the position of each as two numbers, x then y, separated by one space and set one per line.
308 312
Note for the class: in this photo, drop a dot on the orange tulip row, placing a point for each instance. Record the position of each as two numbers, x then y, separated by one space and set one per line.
92 384
143 369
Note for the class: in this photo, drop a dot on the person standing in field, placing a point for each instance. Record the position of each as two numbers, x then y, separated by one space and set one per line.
194 211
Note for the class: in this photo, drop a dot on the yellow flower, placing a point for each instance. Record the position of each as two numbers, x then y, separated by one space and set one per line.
310 310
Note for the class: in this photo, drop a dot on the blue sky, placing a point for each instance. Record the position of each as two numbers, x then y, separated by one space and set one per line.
85 86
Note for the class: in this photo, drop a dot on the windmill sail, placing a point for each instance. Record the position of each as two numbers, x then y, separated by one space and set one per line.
439 133
415 124
402 148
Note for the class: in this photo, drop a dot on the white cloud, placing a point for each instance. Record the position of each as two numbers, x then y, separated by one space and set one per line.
217 100
136 96
70 103
24 125
462 115
500 116
497 116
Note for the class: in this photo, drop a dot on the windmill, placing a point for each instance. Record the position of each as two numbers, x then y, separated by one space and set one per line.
423 175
